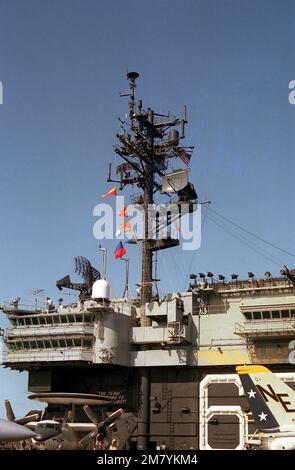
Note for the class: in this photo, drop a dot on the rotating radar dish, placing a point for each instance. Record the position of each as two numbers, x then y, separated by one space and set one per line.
72 398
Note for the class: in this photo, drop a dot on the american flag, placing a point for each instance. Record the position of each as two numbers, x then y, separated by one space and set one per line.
185 157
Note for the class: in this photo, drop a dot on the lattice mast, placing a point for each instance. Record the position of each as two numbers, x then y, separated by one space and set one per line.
145 145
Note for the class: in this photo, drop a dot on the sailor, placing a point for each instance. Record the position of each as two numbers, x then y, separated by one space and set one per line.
60 304
84 295
49 304
15 302
113 445
99 444
23 445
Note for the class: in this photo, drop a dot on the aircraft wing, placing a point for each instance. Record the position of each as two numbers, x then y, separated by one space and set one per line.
82 427
79 427
31 424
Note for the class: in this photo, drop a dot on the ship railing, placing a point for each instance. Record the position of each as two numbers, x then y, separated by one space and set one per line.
27 308
266 327
23 309
257 284
215 342
212 309
175 332
178 333
25 305
47 330
62 354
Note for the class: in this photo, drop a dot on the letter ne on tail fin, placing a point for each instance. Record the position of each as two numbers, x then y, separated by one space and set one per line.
271 401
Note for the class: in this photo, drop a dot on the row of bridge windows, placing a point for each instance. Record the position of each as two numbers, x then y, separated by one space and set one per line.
270 314
52 319
51 343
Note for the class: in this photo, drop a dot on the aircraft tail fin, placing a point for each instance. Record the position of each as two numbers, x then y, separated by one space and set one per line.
271 401
9 411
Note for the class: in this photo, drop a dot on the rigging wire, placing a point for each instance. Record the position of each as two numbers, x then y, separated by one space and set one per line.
178 262
166 271
171 267
176 269
242 238
252 234
245 241
195 252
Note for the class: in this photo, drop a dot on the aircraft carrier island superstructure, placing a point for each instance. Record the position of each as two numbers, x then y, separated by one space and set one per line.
170 361
195 399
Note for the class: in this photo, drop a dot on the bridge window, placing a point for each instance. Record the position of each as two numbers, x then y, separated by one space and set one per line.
89 318
285 314
256 315
248 315
270 315
87 342
266 315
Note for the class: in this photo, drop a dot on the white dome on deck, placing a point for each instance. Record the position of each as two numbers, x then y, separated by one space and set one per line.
101 289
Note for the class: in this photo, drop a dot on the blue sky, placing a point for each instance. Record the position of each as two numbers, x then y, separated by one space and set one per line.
62 65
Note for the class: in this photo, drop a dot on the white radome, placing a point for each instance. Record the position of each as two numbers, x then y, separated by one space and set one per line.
101 290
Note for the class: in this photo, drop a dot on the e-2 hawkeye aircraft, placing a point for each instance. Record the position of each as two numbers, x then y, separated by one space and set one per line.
67 434
272 403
